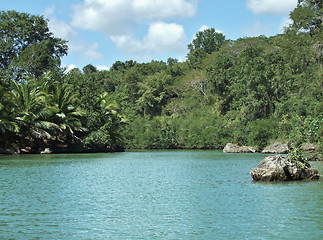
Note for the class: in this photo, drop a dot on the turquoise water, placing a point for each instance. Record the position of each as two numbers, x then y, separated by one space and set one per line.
153 195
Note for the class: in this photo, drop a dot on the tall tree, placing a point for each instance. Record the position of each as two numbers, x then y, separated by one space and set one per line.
205 42
27 46
208 40
308 16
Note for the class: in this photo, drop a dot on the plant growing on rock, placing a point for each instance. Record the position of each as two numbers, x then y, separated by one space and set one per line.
296 156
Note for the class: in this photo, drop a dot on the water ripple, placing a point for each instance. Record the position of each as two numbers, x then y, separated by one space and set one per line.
152 195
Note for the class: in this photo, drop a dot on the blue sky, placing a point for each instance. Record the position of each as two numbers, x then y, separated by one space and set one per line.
101 32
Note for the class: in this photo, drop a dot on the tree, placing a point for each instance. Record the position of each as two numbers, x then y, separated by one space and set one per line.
106 134
27 46
208 40
30 114
123 66
89 69
171 61
67 113
7 123
205 42
308 16
153 93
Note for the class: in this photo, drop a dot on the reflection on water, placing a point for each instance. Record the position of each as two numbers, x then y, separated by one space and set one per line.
152 195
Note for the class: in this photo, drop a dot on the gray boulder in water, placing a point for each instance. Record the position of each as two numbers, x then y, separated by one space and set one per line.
281 168
233 148
279 148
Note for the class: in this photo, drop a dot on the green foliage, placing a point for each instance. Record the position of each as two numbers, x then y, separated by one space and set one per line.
42 107
68 114
250 91
307 16
296 156
7 121
104 139
316 129
153 93
106 125
29 110
205 42
27 46
88 69
260 132
208 40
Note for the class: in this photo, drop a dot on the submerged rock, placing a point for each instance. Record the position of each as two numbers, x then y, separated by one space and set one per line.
281 168
279 148
233 148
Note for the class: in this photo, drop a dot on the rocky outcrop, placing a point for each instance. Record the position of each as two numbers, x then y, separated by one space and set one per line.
279 148
309 148
233 148
281 168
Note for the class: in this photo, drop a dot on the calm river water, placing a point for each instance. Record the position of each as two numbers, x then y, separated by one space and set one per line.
153 195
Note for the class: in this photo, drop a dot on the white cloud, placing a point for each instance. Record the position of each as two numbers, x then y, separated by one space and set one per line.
182 58
119 17
102 68
66 31
160 37
276 7
59 28
163 36
69 68
163 9
111 17
86 51
203 27
127 43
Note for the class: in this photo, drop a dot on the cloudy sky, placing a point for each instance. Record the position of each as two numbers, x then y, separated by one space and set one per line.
101 32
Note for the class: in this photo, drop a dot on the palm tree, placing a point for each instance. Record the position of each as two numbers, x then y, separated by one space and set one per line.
6 116
30 113
68 115
104 103
8 127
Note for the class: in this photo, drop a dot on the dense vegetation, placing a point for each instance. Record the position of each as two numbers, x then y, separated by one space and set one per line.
250 91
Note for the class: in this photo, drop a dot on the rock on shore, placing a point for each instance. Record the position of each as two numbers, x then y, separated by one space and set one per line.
281 168
309 148
233 148
279 148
